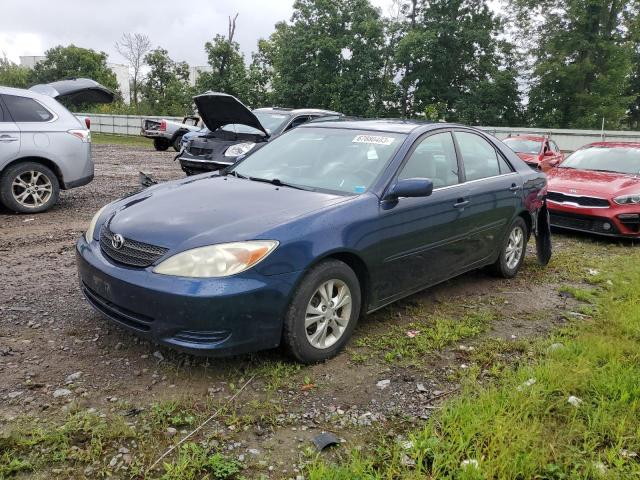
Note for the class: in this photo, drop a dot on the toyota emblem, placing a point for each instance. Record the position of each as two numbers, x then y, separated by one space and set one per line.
117 241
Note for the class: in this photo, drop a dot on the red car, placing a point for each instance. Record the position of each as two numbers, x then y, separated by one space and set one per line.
597 190
540 153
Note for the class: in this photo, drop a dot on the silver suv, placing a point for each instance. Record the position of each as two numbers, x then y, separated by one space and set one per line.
43 146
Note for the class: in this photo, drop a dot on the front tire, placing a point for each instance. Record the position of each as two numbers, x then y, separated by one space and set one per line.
323 313
29 187
176 143
513 250
161 144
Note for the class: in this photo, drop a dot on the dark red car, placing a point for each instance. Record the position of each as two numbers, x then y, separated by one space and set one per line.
540 153
597 190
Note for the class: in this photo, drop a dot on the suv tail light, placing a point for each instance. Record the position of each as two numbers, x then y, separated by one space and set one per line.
84 135
87 122
163 126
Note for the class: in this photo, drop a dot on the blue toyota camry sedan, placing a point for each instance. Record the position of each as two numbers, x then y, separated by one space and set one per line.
293 243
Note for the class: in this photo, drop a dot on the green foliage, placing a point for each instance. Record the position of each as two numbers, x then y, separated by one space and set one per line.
449 54
74 62
12 75
329 56
582 61
228 73
166 90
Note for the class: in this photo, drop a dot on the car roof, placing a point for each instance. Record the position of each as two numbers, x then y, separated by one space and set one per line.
297 111
21 92
613 145
391 125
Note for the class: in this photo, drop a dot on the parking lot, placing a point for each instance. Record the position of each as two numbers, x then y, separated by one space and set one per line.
59 359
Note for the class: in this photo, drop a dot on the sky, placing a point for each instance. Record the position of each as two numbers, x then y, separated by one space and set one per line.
182 28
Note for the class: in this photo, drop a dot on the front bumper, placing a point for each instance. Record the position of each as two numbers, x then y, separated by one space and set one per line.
621 222
216 317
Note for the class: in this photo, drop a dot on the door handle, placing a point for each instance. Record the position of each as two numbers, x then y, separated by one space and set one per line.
461 203
8 138
514 187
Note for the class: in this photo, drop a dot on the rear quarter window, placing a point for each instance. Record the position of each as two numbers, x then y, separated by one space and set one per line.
23 109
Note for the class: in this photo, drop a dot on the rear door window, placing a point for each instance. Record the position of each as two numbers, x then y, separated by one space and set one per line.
480 157
24 109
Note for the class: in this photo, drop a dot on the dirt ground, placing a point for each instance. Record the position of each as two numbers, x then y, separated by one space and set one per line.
48 332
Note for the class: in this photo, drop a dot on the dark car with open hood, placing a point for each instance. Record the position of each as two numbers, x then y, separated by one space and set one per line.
329 221
234 130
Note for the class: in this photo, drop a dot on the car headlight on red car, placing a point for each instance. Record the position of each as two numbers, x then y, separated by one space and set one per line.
220 260
628 199
239 149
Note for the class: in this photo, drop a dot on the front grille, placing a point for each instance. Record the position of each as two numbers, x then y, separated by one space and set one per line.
199 152
576 199
584 223
132 253
117 313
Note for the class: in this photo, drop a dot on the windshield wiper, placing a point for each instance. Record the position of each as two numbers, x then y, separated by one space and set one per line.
279 183
235 174
602 170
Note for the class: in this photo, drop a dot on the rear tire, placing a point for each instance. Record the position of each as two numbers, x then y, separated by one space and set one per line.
512 251
323 313
161 144
29 187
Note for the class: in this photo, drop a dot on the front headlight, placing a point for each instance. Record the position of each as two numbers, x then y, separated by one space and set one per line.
238 149
628 199
219 260
88 235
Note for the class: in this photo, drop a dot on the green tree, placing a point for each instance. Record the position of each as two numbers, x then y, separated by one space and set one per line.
12 75
582 61
74 62
228 73
330 55
166 90
451 54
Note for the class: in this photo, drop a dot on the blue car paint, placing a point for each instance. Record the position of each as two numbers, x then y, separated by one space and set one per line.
398 247
185 138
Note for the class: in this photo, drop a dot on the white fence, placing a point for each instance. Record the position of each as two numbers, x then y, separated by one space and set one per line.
567 140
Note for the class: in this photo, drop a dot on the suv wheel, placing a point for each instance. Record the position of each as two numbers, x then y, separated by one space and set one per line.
323 313
29 188
161 144
176 143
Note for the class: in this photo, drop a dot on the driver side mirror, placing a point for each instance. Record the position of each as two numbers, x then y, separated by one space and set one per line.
410 187
549 153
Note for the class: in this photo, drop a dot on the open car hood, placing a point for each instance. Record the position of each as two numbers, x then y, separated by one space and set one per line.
76 91
220 109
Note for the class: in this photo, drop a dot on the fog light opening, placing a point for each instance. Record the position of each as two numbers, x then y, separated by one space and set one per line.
606 226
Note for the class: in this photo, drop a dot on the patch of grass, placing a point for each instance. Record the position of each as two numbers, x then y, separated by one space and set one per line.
196 462
130 140
519 428
276 374
426 334
83 438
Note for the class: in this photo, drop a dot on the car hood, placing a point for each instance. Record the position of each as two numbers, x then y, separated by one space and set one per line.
609 184
220 109
76 91
209 209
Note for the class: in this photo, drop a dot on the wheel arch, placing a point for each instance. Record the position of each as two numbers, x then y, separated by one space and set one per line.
42 161
359 267
528 220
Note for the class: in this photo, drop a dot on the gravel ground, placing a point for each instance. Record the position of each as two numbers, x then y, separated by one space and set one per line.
54 348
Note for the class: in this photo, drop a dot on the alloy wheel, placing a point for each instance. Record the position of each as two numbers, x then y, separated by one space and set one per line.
515 247
328 313
32 189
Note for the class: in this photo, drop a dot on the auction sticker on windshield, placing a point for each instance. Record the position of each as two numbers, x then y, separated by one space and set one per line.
373 139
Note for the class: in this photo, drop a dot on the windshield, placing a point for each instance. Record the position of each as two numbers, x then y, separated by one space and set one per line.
608 159
323 158
521 145
270 121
